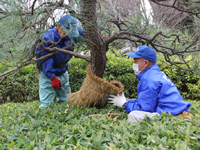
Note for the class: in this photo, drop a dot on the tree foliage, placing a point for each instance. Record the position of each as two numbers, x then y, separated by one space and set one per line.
24 22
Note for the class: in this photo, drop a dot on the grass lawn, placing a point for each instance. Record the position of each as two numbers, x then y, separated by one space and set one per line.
24 126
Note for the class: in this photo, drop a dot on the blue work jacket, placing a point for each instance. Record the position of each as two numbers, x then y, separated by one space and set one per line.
48 66
156 93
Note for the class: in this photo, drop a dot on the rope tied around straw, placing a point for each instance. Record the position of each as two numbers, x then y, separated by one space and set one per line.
94 90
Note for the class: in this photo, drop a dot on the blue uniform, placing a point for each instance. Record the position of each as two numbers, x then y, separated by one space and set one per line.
156 93
48 65
54 66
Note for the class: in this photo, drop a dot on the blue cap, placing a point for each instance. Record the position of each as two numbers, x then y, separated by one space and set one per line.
145 52
70 24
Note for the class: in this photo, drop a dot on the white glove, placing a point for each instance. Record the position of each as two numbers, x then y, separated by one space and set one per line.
117 100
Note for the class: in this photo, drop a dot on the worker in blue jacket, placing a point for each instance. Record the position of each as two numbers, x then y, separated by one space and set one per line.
53 76
156 92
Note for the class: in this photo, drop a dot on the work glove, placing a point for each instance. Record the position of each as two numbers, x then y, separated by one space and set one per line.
117 100
55 83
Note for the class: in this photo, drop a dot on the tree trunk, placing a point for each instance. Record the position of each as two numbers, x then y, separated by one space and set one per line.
95 41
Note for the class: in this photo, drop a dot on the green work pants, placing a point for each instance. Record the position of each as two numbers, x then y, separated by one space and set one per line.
47 92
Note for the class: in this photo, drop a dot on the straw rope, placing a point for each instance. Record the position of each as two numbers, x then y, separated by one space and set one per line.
93 91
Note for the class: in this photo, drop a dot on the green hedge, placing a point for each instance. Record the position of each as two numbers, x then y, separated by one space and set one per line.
25 88
120 69
187 83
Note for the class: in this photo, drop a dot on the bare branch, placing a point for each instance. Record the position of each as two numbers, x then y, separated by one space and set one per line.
176 6
85 57
119 20
54 51
33 6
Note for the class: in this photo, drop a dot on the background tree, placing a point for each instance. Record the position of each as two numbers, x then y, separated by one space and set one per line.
25 21
176 14
171 17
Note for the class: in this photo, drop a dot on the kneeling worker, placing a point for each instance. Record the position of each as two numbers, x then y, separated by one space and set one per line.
156 93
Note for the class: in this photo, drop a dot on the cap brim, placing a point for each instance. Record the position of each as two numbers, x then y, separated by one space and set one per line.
133 55
73 32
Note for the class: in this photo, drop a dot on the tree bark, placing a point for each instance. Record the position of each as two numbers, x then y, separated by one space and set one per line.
95 41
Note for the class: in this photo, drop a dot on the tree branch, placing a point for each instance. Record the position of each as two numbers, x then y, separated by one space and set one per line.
175 7
33 6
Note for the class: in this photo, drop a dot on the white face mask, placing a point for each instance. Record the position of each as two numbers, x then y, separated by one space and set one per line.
136 68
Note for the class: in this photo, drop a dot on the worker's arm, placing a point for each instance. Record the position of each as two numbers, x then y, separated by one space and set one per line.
147 101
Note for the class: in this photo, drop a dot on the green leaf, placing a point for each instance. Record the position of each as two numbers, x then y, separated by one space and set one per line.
11 144
47 139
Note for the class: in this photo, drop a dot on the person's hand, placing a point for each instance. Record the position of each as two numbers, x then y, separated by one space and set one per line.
117 100
55 83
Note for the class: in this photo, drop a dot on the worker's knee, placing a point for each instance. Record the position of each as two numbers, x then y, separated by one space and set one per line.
135 116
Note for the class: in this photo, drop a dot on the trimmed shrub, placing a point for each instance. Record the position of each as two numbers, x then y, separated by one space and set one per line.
77 72
187 83
25 87
120 69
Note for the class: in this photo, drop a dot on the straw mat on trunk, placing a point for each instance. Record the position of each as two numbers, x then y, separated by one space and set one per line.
94 90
